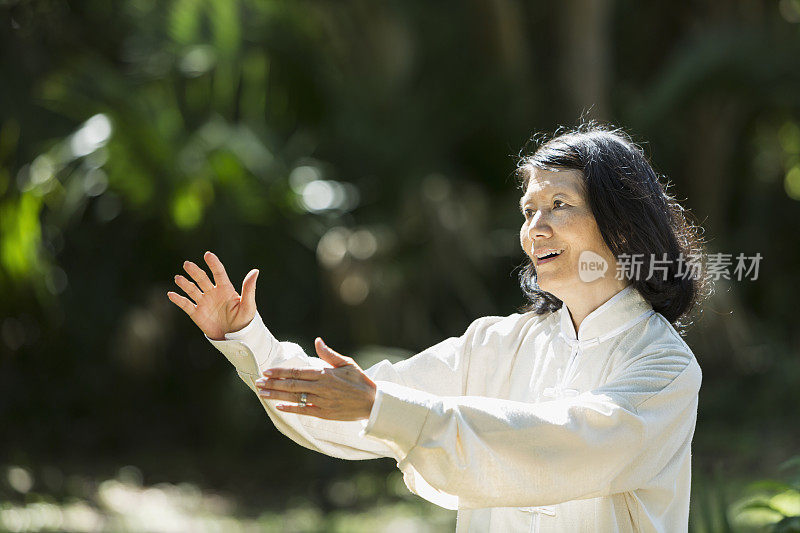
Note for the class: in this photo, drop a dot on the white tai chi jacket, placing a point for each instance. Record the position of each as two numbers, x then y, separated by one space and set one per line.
519 423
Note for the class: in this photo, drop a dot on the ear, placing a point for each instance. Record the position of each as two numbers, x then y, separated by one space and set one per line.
330 356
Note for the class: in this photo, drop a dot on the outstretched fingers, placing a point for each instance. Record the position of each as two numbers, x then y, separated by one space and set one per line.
198 275
189 288
182 302
249 289
217 268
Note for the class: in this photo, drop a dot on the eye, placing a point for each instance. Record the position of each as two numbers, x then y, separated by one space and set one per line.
528 213
558 203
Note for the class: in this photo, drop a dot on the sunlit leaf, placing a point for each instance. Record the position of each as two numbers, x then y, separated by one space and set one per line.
187 209
759 505
184 23
20 236
767 485
787 503
224 18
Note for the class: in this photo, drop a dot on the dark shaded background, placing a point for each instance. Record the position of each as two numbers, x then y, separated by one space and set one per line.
360 155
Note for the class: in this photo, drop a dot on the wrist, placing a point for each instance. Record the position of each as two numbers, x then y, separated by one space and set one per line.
240 325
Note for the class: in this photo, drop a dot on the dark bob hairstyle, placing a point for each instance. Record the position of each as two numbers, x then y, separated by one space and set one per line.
634 213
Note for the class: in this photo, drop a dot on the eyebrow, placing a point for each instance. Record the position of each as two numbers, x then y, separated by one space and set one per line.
555 191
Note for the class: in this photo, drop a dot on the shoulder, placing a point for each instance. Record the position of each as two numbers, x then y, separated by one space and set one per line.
489 329
662 327
656 339
657 354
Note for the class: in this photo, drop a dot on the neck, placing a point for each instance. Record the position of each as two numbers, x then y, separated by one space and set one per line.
581 305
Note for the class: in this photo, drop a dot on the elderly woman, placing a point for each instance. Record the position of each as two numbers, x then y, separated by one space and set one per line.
576 414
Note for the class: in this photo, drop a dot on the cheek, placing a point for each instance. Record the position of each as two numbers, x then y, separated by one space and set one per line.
523 236
591 237
581 230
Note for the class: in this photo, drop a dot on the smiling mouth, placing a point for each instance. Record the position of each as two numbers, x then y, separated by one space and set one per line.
547 256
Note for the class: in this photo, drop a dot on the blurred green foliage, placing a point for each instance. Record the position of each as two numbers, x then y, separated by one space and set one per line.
360 155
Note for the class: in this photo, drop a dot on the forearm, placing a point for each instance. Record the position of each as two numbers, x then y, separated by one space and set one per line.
253 350
488 452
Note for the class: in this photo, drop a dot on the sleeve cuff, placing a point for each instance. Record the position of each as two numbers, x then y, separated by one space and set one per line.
242 334
239 355
251 348
256 337
398 414
373 414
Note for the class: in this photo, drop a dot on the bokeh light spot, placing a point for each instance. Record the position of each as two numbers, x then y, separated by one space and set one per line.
792 182
20 479
332 247
198 60
94 133
354 289
362 244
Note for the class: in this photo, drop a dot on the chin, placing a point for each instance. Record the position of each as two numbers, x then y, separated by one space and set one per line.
554 285
549 287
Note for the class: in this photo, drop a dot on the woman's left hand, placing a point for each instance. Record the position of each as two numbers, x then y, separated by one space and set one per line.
343 392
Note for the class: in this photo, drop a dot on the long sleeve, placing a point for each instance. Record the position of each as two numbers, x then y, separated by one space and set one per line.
441 370
472 452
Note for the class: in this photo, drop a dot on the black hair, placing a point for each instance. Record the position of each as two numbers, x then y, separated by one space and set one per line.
633 211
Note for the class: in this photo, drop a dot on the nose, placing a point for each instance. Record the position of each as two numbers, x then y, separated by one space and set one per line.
539 227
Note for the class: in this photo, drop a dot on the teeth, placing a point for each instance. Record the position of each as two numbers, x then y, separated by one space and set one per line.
549 254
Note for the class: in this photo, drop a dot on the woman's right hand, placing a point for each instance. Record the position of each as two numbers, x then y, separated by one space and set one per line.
216 308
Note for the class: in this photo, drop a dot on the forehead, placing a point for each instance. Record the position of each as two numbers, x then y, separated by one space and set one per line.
545 182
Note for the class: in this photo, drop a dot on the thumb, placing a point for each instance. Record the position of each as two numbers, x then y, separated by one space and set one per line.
249 289
328 355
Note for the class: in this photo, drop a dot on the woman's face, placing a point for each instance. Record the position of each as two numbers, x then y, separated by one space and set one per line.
558 219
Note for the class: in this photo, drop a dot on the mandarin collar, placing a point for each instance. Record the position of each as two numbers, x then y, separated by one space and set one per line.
624 306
